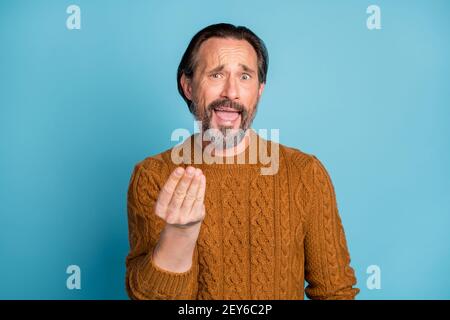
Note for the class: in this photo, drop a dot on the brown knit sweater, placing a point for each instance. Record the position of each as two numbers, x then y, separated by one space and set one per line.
262 237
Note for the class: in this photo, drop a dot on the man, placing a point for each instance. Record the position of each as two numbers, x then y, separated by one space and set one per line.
219 228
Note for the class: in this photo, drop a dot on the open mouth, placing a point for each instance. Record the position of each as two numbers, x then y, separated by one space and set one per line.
227 114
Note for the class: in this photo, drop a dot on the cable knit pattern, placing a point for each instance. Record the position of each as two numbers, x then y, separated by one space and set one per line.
262 237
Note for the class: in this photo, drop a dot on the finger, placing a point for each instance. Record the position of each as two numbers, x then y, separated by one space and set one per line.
191 193
202 189
181 189
198 203
167 190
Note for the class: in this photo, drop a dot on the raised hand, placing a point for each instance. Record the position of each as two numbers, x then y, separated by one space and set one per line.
180 201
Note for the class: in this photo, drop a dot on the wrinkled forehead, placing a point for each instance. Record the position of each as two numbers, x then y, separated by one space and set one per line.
226 52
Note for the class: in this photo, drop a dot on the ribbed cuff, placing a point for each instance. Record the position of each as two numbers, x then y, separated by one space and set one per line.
159 283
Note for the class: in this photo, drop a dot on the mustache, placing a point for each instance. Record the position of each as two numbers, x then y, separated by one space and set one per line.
227 103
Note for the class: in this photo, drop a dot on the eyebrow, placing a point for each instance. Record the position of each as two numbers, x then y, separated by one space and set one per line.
247 68
244 67
217 69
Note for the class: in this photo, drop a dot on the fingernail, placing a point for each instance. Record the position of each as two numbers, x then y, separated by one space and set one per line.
190 171
198 172
179 171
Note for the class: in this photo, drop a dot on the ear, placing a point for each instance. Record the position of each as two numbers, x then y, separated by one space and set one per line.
187 86
261 89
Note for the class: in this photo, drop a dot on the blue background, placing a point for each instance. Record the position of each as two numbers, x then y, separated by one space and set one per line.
78 108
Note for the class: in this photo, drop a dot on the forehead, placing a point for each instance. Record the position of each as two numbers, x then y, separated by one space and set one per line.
222 51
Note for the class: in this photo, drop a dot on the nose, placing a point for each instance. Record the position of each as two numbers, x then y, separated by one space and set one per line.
230 89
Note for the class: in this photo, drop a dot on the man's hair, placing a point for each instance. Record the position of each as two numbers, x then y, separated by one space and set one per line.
221 30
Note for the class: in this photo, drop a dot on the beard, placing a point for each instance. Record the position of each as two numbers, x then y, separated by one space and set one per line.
223 137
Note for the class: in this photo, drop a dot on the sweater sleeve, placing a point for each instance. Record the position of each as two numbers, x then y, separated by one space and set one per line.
327 259
144 279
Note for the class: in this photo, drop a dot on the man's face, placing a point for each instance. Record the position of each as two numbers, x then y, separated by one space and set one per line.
224 88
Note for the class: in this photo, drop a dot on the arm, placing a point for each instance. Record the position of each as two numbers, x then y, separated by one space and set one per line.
327 260
154 269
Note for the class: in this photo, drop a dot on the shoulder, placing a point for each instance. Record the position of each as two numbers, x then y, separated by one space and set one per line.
157 163
296 157
163 163
152 170
147 179
288 155
306 164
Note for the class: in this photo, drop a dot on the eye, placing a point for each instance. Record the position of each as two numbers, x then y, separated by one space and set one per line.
217 75
245 76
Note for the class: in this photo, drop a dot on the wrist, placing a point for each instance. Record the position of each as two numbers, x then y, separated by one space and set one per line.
185 231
